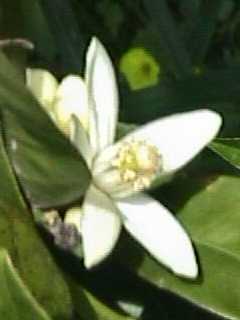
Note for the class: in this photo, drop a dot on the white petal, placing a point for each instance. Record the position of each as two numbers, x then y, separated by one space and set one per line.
160 233
80 139
100 227
71 99
43 85
111 183
74 216
180 137
103 96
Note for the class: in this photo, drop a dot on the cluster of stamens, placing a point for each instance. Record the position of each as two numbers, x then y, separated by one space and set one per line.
138 163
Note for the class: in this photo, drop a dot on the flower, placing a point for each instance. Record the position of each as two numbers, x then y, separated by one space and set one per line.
87 110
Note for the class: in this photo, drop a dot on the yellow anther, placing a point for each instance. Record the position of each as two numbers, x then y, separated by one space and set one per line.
129 175
138 163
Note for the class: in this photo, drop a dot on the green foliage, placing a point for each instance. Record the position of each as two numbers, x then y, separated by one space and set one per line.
16 301
196 45
208 206
228 149
38 151
89 307
27 251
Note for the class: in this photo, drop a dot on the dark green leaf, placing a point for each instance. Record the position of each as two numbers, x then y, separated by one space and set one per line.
90 307
49 168
20 238
209 209
228 149
97 293
16 301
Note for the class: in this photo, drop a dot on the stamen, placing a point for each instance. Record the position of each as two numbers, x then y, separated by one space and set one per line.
138 162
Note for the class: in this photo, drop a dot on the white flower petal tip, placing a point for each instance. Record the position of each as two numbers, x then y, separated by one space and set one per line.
213 121
187 269
71 99
160 233
179 137
92 48
103 95
43 85
100 228
71 85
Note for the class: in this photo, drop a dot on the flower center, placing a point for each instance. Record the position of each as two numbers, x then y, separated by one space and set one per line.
138 163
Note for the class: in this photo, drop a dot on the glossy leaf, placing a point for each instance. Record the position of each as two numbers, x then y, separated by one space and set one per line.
228 149
95 293
50 169
20 238
115 286
209 209
16 301
90 307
